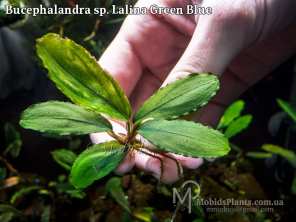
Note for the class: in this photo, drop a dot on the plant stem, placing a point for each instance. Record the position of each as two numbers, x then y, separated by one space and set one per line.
8 165
131 131
117 137
153 155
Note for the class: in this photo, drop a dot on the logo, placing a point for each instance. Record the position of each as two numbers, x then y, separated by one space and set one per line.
187 193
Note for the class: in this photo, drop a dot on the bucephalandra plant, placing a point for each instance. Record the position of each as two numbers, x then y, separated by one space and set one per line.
99 98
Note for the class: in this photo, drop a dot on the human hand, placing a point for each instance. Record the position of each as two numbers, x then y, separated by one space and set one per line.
241 41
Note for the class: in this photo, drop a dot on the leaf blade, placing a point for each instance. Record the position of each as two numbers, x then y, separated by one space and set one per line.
6 216
293 186
13 141
9 208
65 158
259 155
285 153
287 108
95 163
113 187
238 126
62 118
179 98
231 113
78 75
185 138
22 192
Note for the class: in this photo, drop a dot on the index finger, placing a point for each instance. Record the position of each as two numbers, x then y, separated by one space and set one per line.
121 61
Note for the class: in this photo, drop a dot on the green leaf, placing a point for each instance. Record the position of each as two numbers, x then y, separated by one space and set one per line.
14 148
114 188
285 153
78 75
4 208
287 108
6 217
13 140
199 220
11 133
146 214
77 194
238 126
62 119
231 113
64 158
10 19
293 187
67 188
95 163
179 98
62 177
185 138
3 173
259 155
45 216
22 192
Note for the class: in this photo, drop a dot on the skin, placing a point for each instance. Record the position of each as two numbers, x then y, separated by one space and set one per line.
242 41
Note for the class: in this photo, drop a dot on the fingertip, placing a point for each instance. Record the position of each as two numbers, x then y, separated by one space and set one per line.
189 162
122 63
170 173
127 164
141 159
153 166
193 163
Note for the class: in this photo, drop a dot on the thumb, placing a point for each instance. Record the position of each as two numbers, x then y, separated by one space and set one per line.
217 39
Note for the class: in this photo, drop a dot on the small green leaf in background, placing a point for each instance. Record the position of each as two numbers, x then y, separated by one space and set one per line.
5 208
259 155
13 140
6 217
77 194
95 163
293 187
64 187
231 113
287 108
146 214
238 126
78 75
108 4
3 173
10 19
22 192
45 216
62 118
199 220
180 97
185 138
198 210
114 188
64 158
15 3
62 178
285 153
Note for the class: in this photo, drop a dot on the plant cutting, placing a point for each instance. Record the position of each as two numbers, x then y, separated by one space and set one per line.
98 98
